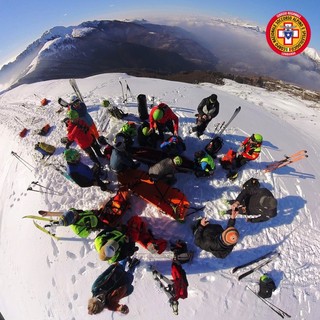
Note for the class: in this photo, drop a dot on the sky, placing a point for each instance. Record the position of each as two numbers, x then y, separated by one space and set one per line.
48 279
22 22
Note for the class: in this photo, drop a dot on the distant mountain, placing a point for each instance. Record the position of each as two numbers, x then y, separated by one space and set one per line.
107 46
171 47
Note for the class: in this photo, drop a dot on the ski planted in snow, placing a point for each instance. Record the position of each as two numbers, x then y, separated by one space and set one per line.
302 154
224 126
245 274
75 88
249 263
124 96
166 285
273 307
44 213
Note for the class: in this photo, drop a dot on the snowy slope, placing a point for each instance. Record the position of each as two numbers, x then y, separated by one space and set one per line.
44 279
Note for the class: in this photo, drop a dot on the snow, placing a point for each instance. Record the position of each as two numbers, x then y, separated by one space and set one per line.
46 279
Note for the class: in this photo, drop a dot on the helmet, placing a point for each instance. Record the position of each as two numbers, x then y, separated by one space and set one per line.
213 97
110 248
120 142
73 115
230 236
257 138
72 155
129 128
268 202
74 99
105 103
158 114
177 161
145 131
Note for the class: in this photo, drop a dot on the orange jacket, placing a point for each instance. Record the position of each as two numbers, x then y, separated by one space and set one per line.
251 149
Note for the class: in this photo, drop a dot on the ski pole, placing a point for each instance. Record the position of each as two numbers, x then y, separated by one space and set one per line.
51 193
38 184
24 162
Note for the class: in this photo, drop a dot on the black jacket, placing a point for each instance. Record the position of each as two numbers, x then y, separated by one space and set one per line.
208 238
212 107
250 198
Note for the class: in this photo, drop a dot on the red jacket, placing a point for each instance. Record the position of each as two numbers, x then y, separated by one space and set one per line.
80 133
251 150
167 116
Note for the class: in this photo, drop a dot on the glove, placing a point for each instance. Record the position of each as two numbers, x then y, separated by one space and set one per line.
123 309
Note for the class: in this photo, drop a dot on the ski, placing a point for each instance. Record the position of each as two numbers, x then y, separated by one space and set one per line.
75 88
225 126
43 229
245 274
124 97
166 285
302 154
40 218
235 269
129 90
273 307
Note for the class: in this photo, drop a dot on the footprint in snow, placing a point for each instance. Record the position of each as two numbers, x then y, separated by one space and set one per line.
75 296
208 279
71 255
82 270
73 279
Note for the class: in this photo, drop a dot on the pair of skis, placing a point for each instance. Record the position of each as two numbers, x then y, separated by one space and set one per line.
224 125
166 285
75 88
273 307
125 93
299 155
265 259
51 222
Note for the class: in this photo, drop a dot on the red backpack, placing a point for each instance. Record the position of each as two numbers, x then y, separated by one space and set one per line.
180 281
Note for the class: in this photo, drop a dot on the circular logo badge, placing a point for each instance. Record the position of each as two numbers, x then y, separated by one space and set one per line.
288 33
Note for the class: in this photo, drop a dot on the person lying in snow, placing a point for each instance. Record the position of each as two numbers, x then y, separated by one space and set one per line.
204 164
165 170
110 287
258 204
213 238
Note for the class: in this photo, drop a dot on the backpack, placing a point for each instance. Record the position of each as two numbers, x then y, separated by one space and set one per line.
45 149
44 130
214 146
112 212
266 286
180 281
116 112
228 159
44 102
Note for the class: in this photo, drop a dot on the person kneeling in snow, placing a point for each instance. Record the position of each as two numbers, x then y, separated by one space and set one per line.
109 288
114 245
255 201
204 164
213 238
165 169
81 174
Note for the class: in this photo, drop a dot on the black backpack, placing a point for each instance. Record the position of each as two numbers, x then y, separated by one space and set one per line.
266 286
214 146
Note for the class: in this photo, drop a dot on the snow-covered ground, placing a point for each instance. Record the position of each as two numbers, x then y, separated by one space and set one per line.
45 279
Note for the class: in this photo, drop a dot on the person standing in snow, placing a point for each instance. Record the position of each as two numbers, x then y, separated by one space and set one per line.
79 132
165 170
109 288
81 174
161 118
255 201
213 238
212 105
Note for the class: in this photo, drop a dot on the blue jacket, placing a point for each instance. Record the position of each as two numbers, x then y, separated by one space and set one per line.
120 161
81 174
